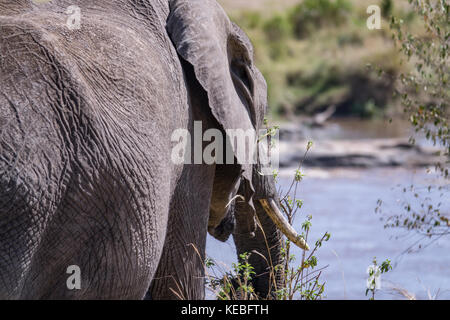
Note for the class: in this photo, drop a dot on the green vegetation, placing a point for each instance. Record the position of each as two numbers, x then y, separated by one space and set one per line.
387 7
425 90
315 54
312 15
425 94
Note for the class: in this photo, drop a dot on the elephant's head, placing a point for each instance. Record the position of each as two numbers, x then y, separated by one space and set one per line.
221 57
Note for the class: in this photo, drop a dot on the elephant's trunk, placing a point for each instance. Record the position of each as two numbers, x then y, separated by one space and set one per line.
265 244
264 247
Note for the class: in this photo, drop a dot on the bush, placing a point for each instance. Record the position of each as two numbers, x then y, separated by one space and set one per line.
277 30
249 20
425 92
354 92
313 14
387 6
350 39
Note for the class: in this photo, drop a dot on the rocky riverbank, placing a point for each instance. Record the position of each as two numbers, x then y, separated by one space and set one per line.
355 153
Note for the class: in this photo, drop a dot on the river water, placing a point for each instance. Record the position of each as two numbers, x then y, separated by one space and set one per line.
342 202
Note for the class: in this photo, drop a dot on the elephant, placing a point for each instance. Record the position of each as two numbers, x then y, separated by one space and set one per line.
87 176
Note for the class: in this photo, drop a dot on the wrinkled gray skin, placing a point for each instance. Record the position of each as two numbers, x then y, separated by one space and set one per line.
86 177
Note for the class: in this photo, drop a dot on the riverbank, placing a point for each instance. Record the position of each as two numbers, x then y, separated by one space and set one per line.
375 153
341 148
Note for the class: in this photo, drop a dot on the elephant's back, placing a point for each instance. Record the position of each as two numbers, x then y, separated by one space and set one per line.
114 77
128 66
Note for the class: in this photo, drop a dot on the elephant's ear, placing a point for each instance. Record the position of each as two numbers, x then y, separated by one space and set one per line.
222 60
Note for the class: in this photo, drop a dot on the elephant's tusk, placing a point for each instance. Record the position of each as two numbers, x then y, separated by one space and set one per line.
277 217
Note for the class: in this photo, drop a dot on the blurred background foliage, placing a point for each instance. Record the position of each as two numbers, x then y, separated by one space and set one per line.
315 54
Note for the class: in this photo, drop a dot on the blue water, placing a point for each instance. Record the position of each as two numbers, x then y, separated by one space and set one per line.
343 203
